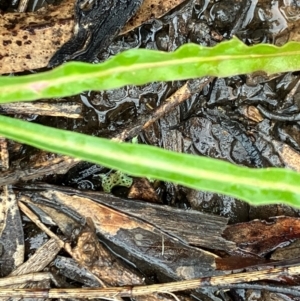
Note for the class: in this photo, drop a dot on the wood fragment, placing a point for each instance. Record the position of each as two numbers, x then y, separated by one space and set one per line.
289 290
197 229
40 259
22 7
11 227
57 109
11 232
289 252
59 165
251 112
70 269
4 155
100 261
259 237
193 227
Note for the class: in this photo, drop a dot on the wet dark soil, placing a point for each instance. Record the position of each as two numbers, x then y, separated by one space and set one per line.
250 120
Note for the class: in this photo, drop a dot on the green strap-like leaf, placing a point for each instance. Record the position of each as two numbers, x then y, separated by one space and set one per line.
140 66
257 186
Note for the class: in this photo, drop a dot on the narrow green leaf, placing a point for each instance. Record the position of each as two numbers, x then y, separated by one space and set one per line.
257 186
140 66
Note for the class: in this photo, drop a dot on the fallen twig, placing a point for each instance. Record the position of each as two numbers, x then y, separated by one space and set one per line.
24 279
133 291
190 88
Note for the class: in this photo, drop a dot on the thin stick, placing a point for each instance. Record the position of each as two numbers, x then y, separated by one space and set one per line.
68 109
34 218
181 95
24 279
134 291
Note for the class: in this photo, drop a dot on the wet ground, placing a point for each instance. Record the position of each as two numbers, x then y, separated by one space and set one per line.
249 120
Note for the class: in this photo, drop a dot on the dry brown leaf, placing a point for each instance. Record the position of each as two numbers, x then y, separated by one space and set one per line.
29 40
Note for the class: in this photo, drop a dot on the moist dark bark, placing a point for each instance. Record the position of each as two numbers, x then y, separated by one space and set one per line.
97 23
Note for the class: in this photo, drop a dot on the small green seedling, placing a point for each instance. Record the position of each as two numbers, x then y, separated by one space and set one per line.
118 178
